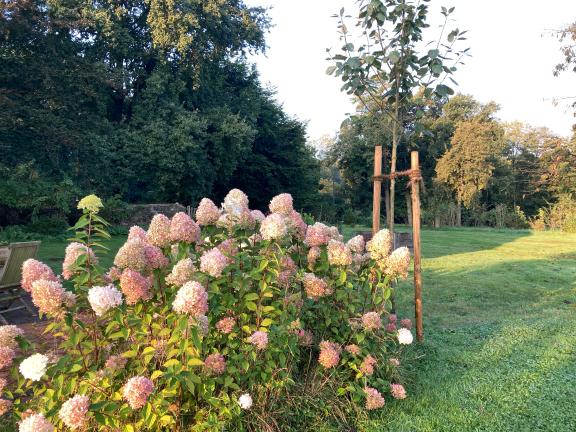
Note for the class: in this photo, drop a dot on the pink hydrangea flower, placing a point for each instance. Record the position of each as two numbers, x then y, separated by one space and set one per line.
367 365
184 229
329 354
158 233
305 338
32 271
235 202
353 349
273 227
374 399
135 286
297 225
49 297
137 232
115 362
317 235
392 318
228 248
181 273
380 245
73 412
390 327
226 325
315 287
398 391
371 321
35 423
356 244
73 251
207 212
259 339
282 204
6 356
313 255
3 383
338 254
213 262
114 274
215 364
396 265
257 215
5 406
132 255
406 323
155 259
8 335
191 299
136 391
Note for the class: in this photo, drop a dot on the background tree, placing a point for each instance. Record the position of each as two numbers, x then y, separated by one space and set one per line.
468 165
387 64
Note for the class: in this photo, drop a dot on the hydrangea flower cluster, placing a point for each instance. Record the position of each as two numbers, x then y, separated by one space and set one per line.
158 233
32 271
374 398
259 339
226 325
104 298
35 423
207 213
315 287
136 391
329 354
8 335
50 297
181 273
135 286
34 367
215 364
191 299
73 252
213 262
73 412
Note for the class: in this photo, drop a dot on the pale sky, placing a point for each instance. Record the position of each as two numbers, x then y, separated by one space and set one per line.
512 59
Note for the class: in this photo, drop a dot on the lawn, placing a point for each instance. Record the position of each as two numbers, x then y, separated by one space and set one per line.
500 332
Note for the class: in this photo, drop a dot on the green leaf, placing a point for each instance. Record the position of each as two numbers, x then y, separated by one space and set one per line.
251 306
251 297
394 57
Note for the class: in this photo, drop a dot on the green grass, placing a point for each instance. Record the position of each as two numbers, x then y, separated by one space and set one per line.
500 328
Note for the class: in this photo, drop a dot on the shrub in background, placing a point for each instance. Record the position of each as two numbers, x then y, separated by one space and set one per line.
200 324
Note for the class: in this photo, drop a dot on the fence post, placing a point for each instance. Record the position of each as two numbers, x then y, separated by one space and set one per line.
377 197
415 186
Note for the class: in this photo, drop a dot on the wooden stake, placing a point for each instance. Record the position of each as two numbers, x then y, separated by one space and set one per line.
377 198
415 186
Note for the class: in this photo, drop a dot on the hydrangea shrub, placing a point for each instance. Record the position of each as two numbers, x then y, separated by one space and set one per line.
199 321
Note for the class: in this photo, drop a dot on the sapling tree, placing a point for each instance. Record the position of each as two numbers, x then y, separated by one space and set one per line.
391 57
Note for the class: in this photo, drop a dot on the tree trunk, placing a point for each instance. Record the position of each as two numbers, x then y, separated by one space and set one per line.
458 213
387 204
409 209
436 221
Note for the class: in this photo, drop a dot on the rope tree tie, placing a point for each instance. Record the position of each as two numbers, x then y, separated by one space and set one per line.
415 180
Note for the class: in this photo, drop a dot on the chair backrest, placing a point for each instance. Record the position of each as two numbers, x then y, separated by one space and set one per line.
19 252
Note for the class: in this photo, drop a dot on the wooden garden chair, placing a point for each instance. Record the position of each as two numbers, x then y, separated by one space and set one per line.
12 257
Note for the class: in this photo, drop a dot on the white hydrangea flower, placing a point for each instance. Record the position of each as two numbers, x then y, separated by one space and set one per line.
34 367
104 298
405 336
245 401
